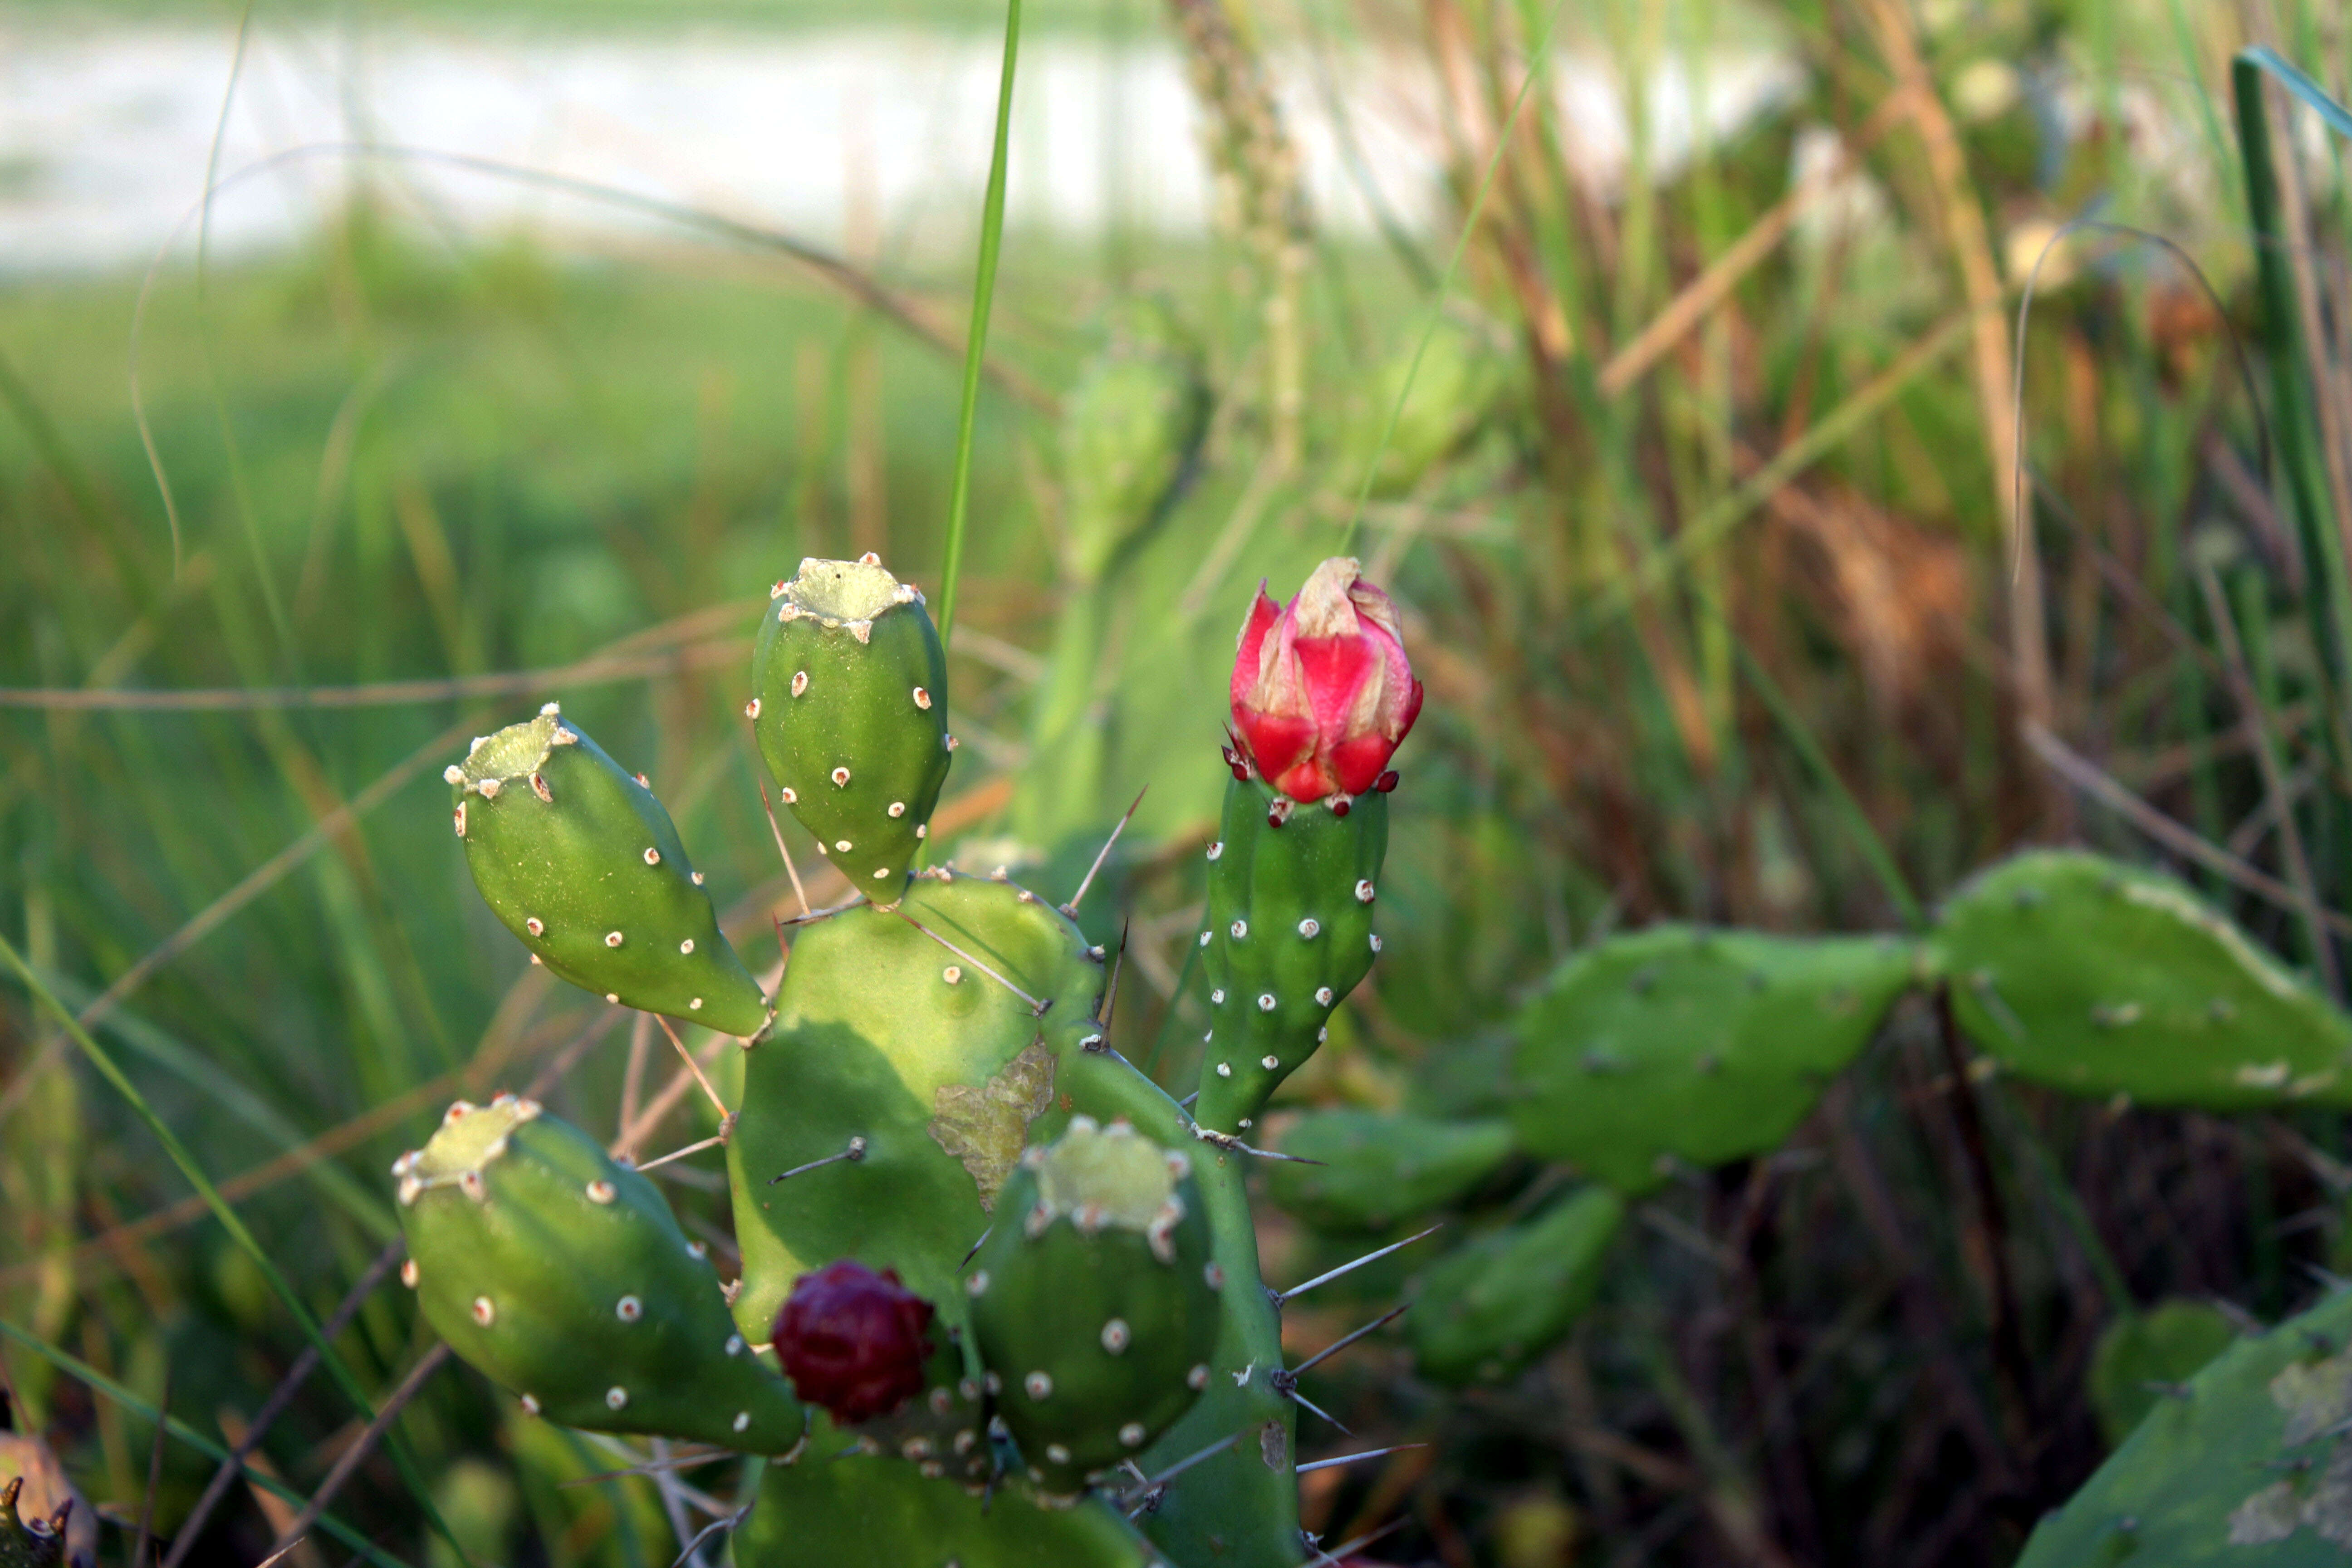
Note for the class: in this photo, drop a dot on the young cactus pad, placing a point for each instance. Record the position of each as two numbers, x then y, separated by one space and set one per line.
2246 1465
563 1276
849 704
582 862
1095 1302
860 1512
1375 1171
1291 893
928 1065
1130 429
2140 1354
2089 976
1678 1043
1497 1304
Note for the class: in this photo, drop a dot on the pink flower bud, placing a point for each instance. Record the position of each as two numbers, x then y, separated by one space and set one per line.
853 1340
1322 692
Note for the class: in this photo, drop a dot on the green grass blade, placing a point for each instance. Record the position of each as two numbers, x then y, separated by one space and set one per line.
1703 532
84 1372
2296 420
231 1222
366 1208
983 297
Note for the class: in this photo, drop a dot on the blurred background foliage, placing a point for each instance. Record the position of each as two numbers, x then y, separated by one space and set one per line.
1699 511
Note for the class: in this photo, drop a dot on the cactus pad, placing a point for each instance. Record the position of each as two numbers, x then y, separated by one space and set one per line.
849 704
1507 1298
2140 1353
1291 894
1129 428
563 1276
935 1067
2083 973
858 1512
1376 1171
1095 1302
1676 1043
2247 1465
580 861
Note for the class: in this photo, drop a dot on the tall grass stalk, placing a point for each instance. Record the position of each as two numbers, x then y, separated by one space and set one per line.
984 301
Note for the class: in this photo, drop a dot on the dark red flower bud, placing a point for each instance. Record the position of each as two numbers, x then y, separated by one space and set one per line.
853 1340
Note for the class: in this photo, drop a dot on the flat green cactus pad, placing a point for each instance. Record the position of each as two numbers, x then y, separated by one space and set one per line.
849 705
1095 1302
1497 1304
2248 1466
2141 1353
1378 1170
931 1062
582 862
1678 1043
2090 975
874 1512
564 1276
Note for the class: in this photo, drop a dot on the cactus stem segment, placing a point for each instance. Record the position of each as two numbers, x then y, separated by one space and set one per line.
1280 1297
855 1152
1102 854
1036 1007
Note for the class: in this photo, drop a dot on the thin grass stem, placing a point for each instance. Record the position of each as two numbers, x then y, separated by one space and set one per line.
984 299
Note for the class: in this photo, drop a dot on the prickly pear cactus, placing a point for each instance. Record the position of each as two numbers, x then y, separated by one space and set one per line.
2247 1464
580 861
1005 1272
2089 976
849 704
1507 1298
1095 1300
2141 1356
563 1275
1289 933
1130 429
1678 1043
909 1052
1373 1171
